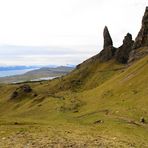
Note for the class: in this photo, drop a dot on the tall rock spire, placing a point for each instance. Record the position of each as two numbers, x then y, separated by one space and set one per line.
108 50
107 38
142 38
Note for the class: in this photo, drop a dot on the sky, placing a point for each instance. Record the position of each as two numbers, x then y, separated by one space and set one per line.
61 32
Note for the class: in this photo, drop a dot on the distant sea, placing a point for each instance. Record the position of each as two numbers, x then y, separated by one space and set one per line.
14 72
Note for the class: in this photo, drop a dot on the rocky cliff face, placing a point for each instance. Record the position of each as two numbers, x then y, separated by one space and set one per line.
140 47
142 38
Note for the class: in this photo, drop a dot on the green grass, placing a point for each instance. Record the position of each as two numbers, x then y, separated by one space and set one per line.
113 93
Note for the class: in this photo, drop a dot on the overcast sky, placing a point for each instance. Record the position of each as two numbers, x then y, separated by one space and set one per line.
60 32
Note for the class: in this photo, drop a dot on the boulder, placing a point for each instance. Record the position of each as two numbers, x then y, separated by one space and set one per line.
142 120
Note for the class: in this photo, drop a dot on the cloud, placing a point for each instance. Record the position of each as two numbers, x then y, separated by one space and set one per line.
32 55
63 27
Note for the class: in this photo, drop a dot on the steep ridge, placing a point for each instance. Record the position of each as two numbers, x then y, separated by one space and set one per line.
109 62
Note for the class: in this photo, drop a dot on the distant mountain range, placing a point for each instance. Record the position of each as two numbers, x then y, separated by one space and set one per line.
7 68
43 73
22 67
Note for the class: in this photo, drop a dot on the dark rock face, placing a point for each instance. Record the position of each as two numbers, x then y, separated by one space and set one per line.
108 51
142 38
107 38
122 53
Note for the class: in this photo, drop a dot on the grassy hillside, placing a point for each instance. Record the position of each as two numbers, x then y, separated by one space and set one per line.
97 104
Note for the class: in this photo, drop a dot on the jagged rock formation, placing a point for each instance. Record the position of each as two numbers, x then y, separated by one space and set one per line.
108 51
107 38
127 52
122 53
142 38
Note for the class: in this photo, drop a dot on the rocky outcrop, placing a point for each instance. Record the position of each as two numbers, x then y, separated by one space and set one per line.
108 51
122 53
142 38
21 91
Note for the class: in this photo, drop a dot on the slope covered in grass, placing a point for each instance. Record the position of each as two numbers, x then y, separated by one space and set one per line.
103 99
